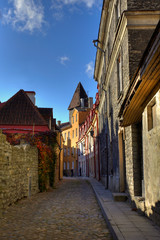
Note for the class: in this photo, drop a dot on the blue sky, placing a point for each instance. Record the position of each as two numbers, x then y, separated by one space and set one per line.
46 47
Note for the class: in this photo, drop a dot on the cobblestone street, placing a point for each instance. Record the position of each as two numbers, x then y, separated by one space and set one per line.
68 212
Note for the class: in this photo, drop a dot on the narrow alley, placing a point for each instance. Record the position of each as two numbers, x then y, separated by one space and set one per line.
67 212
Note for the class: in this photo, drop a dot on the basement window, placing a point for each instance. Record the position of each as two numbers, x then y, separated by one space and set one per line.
151 115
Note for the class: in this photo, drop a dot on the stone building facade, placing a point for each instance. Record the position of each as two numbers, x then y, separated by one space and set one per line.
140 112
125 29
151 158
19 172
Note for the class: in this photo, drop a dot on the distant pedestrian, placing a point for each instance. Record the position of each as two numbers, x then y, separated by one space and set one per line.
71 172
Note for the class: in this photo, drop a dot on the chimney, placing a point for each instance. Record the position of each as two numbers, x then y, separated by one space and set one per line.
90 102
58 123
31 95
82 102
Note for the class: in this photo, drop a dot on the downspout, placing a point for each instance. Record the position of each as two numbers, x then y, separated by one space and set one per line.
60 149
77 159
94 155
87 157
98 149
60 157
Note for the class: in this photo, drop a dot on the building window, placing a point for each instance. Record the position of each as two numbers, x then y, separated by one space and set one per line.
76 132
68 135
68 165
72 150
68 151
76 117
119 77
64 152
151 114
64 166
73 165
78 151
72 133
73 119
81 148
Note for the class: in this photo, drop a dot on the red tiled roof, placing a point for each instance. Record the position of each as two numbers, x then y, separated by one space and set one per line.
19 110
78 94
2 104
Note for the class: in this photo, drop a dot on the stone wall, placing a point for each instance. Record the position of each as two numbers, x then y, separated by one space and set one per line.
151 158
143 4
138 40
18 172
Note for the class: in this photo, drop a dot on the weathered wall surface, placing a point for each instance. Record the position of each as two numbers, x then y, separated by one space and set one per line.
59 161
143 4
18 172
151 157
138 41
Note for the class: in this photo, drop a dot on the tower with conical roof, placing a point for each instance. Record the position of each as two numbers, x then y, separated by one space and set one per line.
79 100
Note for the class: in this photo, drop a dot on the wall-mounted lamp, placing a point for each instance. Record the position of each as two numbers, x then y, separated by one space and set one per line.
95 42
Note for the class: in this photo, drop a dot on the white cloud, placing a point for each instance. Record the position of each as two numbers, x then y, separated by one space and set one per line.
89 3
90 69
58 5
25 15
64 59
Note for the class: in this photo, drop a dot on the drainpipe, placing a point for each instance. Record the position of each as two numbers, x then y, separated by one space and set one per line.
95 170
60 149
98 149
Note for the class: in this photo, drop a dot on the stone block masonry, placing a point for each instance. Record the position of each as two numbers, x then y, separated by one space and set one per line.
18 172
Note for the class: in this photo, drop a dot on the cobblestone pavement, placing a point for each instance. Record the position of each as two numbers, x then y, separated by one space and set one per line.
68 212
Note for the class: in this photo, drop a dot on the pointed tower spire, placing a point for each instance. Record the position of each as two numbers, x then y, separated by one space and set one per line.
77 96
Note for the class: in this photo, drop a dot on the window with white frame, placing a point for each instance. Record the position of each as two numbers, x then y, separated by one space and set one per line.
72 133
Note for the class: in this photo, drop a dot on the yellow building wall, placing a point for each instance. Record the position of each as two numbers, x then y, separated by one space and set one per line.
69 146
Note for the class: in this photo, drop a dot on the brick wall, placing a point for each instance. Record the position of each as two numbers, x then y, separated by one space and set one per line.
18 172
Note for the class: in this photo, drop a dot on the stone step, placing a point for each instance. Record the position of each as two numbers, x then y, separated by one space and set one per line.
119 197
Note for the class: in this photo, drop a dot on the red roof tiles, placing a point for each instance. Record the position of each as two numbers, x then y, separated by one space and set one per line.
19 110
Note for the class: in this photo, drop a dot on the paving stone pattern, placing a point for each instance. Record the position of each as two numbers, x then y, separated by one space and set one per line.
68 212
